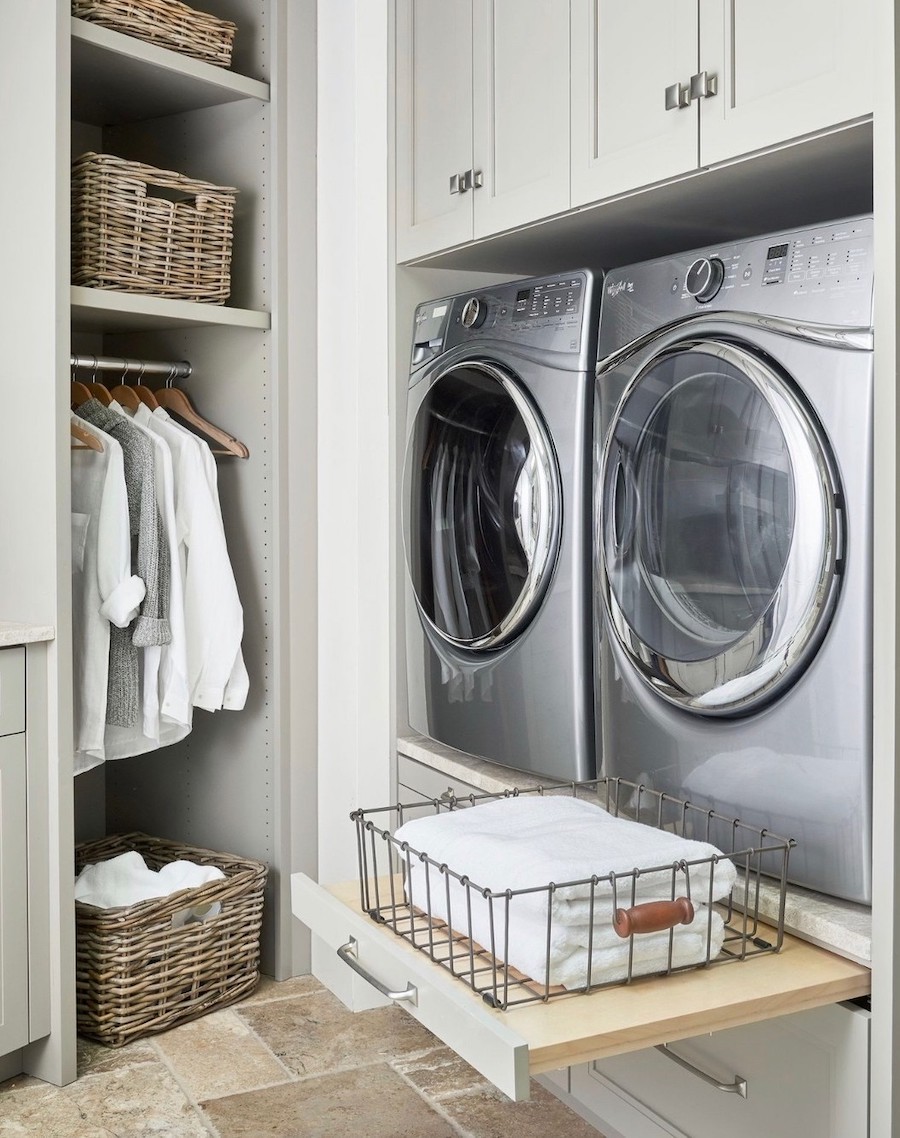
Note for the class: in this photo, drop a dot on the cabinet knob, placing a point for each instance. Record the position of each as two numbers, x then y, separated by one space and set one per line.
704 85
477 179
677 97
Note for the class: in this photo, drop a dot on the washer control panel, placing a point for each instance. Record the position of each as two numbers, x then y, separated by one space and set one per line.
543 314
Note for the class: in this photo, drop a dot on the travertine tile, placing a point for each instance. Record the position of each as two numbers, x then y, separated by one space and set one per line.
269 989
316 1033
140 1101
19 1083
94 1058
441 1072
219 1055
373 1102
492 1115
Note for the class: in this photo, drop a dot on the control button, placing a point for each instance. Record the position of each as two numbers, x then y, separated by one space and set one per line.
674 287
748 273
474 313
704 278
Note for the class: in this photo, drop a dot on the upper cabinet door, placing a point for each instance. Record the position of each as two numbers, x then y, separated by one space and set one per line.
785 68
631 69
521 125
434 125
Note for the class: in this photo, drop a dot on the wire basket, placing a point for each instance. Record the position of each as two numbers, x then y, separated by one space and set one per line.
136 228
653 919
166 23
141 969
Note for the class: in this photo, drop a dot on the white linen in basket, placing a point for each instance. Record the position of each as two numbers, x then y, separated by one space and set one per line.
526 842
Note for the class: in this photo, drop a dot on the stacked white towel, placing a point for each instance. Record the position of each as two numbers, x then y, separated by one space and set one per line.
525 842
126 880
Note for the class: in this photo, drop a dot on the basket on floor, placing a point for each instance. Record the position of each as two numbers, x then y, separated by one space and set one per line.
136 228
167 23
139 970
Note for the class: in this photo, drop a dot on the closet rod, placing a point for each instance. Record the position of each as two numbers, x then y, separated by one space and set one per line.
178 369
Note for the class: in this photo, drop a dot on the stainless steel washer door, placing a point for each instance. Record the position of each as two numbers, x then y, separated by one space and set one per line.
482 506
720 532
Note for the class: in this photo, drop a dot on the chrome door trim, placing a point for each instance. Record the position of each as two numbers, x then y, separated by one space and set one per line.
748 671
538 494
828 335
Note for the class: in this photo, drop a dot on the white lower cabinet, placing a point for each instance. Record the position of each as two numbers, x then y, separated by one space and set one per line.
802 1074
14 1027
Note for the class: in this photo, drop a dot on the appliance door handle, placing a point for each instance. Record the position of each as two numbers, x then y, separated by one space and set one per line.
347 953
737 1087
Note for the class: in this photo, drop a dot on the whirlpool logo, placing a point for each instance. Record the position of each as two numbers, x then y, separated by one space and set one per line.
613 288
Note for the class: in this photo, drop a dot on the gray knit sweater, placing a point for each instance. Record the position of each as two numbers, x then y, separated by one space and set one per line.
150 562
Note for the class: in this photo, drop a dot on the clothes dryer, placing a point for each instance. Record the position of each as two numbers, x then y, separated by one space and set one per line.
496 523
733 494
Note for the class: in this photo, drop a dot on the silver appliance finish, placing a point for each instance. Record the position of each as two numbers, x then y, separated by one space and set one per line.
496 523
733 500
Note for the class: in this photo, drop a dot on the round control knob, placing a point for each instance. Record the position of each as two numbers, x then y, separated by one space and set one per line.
474 313
704 278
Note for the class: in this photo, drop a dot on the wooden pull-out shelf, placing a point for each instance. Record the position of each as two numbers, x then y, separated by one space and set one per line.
508 1047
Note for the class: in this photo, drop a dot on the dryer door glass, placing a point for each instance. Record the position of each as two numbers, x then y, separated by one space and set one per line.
720 530
482 500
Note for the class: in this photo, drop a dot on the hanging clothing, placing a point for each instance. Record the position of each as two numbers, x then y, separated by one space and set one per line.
214 616
151 626
104 590
158 620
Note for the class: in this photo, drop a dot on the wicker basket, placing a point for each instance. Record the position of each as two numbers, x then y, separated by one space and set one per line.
128 239
137 973
167 23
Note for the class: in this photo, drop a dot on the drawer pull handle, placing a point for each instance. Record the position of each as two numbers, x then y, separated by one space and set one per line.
738 1087
653 916
347 953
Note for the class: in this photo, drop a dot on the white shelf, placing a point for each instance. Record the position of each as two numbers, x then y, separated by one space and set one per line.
118 79
101 310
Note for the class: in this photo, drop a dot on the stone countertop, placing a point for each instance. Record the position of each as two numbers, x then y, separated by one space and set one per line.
840 926
14 633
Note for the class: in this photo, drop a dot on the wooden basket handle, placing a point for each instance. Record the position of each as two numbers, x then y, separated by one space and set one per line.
653 916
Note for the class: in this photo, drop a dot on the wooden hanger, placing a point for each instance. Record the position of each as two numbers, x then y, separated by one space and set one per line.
174 399
99 391
81 393
126 396
134 394
82 438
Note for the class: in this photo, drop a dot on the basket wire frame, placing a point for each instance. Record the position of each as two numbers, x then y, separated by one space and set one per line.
390 895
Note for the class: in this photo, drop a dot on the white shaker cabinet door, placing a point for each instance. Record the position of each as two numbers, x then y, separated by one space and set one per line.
13 896
803 1074
631 68
434 125
785 68
521 112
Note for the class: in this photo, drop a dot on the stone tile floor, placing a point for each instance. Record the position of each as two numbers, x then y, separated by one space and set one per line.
288 1062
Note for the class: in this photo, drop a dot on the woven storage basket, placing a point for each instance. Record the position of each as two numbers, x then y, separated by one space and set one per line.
167 23
126 238
136 973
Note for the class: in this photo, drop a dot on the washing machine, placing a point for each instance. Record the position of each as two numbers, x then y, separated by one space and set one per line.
733 503
496 523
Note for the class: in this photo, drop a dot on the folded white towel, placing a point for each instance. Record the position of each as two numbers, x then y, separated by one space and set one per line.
526 947
526 842
126 880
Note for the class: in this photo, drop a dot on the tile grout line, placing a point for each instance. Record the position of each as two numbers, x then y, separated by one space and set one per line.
435 1105
207 1123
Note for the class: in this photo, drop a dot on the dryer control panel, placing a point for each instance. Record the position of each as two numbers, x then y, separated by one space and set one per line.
556 314
822 274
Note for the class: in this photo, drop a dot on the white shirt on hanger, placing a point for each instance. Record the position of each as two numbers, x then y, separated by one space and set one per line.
104 588
214 617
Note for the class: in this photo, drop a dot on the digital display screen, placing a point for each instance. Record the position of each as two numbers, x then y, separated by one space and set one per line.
776 251
522 296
